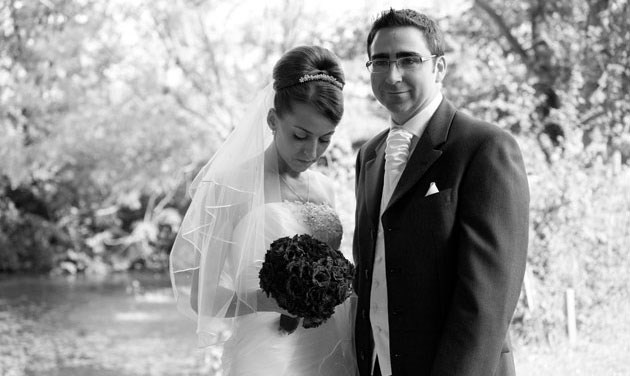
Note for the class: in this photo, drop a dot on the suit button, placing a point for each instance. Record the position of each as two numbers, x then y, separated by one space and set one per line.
367 274
396 356
361 355
396 312
364 314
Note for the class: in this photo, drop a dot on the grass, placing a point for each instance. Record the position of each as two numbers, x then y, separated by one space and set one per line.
601 349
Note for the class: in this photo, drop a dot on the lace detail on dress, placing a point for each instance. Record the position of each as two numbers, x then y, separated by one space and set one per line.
322 220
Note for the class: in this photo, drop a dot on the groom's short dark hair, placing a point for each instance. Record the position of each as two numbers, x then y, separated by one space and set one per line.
409 17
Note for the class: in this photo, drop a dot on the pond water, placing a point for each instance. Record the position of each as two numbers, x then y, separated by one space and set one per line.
122 324
127 325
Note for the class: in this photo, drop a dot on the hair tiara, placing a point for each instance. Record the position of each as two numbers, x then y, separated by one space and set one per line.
313 77
321 77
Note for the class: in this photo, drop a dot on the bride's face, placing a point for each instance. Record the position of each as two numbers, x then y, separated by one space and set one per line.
302 136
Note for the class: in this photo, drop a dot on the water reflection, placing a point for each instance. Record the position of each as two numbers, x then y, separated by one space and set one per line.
122 324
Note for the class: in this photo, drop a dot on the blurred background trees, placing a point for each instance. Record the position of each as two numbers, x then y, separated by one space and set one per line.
109 108
556 75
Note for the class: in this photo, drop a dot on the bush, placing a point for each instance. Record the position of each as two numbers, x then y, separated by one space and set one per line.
579 236
28 242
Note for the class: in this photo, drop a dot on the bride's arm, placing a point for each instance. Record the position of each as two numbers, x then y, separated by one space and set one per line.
225 301
263 304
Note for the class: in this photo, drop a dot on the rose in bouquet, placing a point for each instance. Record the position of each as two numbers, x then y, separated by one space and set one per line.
307 278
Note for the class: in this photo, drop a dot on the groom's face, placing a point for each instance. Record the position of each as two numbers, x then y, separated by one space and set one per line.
404 92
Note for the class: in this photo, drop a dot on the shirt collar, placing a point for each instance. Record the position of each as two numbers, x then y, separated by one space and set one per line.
418 122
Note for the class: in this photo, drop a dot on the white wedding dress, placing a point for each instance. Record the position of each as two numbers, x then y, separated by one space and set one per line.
256 346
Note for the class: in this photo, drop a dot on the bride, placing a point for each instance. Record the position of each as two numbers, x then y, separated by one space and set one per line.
258 188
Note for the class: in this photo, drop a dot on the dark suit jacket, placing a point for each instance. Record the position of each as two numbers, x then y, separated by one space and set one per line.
455 259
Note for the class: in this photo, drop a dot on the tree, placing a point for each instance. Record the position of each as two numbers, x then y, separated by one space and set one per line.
556 75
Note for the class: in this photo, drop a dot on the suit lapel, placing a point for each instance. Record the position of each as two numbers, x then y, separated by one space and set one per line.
427 150
374 171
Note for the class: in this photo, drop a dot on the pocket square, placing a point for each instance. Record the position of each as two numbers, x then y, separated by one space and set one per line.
432 189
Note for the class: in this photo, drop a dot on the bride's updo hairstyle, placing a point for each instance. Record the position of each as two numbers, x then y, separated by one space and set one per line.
311 75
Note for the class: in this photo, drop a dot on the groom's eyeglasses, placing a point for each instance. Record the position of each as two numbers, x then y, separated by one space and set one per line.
406 63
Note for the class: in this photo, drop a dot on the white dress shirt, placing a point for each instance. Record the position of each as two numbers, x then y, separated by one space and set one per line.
378 294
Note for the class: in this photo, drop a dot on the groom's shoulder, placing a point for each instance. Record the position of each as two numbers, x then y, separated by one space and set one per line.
468 127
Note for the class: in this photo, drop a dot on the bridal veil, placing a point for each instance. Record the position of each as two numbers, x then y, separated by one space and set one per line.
207 267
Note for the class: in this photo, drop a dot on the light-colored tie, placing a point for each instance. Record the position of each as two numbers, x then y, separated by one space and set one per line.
396 155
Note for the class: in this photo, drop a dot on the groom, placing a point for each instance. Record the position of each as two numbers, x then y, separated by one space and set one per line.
440 242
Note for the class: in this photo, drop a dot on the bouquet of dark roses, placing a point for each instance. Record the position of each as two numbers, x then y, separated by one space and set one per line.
307 278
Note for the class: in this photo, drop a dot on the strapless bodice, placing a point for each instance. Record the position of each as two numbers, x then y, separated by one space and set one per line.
288 218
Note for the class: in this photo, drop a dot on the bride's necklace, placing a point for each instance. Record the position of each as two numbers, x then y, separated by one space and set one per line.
308 188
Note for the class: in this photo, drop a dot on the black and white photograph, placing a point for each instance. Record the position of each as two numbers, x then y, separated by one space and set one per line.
314 188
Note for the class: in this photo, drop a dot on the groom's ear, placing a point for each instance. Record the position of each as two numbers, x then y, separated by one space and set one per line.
272 119
440 69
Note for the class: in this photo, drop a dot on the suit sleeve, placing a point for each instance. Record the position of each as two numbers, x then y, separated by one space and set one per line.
357 172
491 235
355 242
